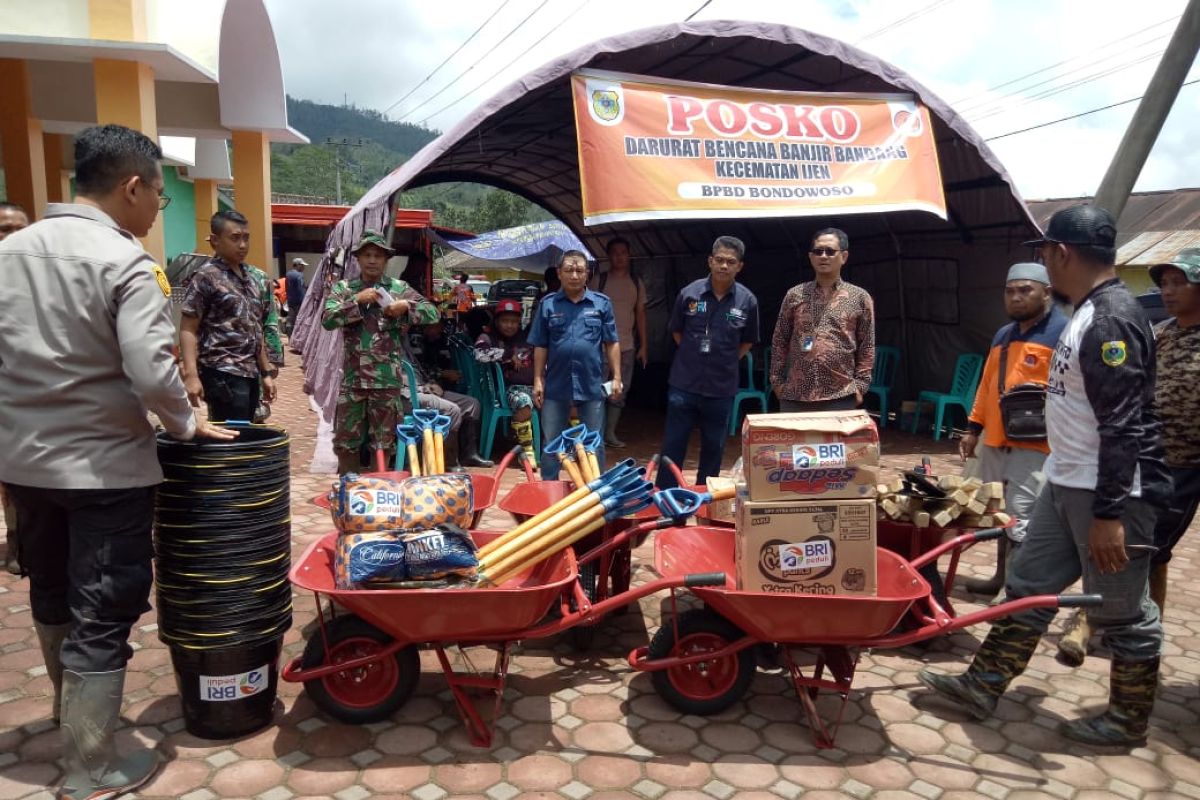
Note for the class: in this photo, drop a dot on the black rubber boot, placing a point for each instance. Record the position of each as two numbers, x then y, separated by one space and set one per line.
468 446
990 587
1002 656
1131 689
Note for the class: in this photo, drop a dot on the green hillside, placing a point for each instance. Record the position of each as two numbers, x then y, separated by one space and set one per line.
311 170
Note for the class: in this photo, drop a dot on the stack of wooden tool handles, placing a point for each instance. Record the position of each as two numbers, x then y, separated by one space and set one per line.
619 491
575 448
429 429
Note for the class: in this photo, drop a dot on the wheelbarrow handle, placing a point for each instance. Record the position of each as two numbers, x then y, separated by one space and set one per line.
704 579
989 535
1080 600
960 542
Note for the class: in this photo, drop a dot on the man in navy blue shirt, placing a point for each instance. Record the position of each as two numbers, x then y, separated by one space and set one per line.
569 327
294 283
714 323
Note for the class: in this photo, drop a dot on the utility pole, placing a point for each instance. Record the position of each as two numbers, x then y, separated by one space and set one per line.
1151 113
337 143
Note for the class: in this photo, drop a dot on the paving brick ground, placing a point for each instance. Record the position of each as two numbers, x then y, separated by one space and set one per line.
586 726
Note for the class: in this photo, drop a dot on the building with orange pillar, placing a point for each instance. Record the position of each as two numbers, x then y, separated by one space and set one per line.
201 78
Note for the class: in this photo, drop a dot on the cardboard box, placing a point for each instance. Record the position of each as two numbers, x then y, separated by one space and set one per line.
807 547
830 455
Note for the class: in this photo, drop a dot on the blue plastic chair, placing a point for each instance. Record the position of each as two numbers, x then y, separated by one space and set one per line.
967 370
747 392
883 374
496 408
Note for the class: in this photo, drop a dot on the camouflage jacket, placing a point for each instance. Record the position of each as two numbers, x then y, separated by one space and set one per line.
271 323
1175 396
234 313
373 344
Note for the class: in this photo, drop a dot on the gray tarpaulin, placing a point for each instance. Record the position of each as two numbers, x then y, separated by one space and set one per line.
937 284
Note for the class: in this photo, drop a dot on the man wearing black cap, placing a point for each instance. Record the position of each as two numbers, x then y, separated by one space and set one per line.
1018 368
1105 475
1177 402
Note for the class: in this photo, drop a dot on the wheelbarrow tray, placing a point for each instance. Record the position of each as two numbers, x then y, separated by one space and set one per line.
443 615
780 616
531 498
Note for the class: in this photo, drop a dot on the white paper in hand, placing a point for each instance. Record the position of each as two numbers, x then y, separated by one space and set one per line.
607 387
384 298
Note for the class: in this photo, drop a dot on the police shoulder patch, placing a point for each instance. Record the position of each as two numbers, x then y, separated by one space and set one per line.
1113 353
161 277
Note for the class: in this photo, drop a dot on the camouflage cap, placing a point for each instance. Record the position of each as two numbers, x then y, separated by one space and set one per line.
370 237
1186 260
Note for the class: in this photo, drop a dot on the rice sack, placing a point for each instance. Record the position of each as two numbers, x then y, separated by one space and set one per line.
446 551
365 504
365 560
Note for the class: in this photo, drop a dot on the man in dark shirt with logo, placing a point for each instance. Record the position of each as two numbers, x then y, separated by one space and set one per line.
714 323
1178 405
1105 475
569 329
223 330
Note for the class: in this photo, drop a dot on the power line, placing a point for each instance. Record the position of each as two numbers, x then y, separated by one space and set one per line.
920 12
706 4
463 74
984 101
447 59
1066 87
500 71
1119 40
1077 116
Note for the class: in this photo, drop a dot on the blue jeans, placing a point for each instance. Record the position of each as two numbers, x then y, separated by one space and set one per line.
1055 554
688 410
555 421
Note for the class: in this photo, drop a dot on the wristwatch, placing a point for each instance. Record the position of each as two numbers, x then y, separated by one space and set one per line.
272 373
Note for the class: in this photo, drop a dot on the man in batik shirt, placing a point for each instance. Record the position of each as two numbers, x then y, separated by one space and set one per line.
824 344
374 311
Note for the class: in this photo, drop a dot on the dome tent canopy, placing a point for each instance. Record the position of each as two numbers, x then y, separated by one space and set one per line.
936 283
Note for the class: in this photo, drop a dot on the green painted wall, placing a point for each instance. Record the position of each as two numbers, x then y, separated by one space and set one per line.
179 220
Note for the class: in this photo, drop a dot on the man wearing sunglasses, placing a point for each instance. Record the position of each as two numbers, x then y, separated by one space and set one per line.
824 344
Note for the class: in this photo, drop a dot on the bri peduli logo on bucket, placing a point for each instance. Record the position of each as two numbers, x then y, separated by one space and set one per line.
223 688
252 682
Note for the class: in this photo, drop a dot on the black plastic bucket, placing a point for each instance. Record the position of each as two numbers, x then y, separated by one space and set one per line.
222 546
228 691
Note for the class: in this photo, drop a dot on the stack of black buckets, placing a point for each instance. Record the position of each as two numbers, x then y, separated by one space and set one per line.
222 554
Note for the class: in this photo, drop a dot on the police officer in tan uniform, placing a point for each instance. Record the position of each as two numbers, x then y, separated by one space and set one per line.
86 349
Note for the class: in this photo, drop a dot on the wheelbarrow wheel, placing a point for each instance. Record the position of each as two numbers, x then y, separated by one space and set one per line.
705 687
583 636
370 693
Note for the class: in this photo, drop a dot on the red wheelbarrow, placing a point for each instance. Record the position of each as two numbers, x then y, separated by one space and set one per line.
364 662
484 487
703 660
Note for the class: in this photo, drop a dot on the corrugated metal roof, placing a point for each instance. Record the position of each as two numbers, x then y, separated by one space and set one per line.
1153 228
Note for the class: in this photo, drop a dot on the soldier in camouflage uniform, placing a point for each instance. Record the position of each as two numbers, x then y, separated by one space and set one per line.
227 321
375 311
1178 406
271 334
